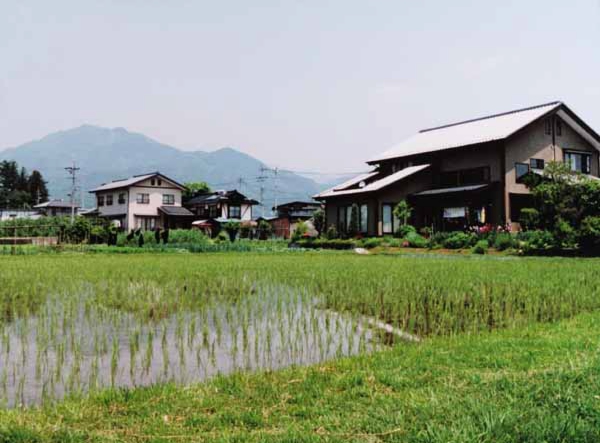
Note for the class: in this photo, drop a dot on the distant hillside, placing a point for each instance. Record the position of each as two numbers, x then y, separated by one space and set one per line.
107 154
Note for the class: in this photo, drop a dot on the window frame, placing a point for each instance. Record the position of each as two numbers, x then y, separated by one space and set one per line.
548 126
383 222
583 154
519 177
109 199
100 200
239 211
536 161
168 201
121 198
142 198
363 225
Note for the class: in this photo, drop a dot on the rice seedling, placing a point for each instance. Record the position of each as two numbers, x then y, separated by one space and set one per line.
77 323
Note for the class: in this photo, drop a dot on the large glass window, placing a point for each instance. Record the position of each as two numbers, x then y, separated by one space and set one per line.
388 227
168 199
579 161
521 170
464 177
364 218
348 216
342 219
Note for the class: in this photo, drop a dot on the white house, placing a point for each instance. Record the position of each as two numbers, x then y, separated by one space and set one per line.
144 202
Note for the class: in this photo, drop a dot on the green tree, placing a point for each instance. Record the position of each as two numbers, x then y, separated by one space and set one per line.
36 186
193 189
353 226
403 211
319 221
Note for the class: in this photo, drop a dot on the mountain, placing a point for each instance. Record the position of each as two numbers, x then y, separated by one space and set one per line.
105 154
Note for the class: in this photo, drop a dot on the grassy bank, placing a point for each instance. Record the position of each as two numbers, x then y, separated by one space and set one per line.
536 384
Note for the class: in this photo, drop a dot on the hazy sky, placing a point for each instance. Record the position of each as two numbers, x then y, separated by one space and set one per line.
306 85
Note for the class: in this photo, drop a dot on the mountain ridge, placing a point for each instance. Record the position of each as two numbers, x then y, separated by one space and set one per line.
106 154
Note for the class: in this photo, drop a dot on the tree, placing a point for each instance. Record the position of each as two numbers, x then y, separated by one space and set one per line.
193 189
353 226
403 211
232 228
319 221
37 187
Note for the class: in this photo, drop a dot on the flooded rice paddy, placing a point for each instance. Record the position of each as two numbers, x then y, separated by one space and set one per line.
80 346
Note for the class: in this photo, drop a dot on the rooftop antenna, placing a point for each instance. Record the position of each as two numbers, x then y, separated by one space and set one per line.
72 170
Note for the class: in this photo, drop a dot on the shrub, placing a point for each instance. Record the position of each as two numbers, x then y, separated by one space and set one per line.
589 235
318 220
438 239
480 247
503 241
459 240
300 231
529 218
536 240
326 244
416 241
232 228
331 233
265 230
404 230
372 242
564 235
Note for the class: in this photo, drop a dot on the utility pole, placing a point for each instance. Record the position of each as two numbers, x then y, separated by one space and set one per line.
261 179
275 172
240 184
72 170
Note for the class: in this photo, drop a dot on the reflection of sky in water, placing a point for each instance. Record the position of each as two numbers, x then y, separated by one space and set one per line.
51 355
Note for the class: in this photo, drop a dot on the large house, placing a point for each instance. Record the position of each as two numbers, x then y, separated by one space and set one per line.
465 174
144 202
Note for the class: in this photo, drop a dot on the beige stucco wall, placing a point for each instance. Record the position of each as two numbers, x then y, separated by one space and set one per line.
535 143
245 212
131 208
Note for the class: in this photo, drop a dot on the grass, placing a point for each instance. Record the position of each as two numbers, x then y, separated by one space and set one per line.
510 354
536 384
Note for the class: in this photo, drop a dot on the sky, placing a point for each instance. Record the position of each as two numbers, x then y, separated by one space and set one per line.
304 85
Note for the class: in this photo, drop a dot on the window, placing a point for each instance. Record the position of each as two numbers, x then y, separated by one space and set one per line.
579 161
387 225
558 127
212 211
521 170
342 219
146 223
159 182
464 177
364 218
152 182
234 211
168 199
100 200
121 199
548 126
536 163
109 200
143 199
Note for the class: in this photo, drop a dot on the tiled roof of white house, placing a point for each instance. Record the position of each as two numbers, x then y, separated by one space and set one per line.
470 132
374 185
126 182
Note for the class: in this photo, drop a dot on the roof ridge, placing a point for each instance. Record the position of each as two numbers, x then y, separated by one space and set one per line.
487 117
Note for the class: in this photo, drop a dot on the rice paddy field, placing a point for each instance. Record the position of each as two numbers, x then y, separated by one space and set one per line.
305 346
